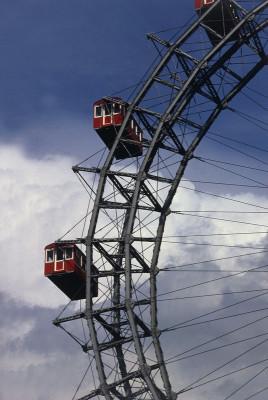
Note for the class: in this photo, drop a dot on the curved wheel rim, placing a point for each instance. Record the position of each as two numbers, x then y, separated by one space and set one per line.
126 331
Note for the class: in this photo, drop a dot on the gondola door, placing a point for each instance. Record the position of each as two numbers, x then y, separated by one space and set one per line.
59 260
107 114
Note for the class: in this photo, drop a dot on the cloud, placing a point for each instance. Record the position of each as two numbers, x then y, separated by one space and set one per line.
42 199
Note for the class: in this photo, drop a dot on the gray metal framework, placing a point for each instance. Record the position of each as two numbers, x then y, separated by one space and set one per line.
136 201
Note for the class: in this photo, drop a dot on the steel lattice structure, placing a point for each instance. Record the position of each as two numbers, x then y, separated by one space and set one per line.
133 200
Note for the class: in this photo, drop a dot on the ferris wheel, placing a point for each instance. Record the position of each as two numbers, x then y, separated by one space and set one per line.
153 133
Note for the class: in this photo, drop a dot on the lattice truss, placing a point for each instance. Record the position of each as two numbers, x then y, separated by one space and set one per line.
188 85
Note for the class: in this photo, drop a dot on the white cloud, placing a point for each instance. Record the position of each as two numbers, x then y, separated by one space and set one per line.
14 361
16 330
40 200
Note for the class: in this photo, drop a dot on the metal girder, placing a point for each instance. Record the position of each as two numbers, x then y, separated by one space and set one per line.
152 36
112 328
183 61
138 393
147 192
206 95
74 241
110 258
145 123
207 28
78 168
109 327
121 306
168 45
188 122
135 254
169 84
232 73
107 256
210 86
170 132
113 343
143 326
114 205
203 73
123 191
118 394
114 273
123 206
258 48
127 175
59 321
109 172
175 77
216 66
131 376
107 240
177 150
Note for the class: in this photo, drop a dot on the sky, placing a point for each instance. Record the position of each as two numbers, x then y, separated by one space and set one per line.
59 57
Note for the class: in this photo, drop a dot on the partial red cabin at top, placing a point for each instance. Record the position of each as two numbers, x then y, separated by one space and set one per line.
202 3
107 120
222 19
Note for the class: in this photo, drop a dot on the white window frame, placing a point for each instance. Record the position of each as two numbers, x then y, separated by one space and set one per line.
95 111
47 250
65 253
116 113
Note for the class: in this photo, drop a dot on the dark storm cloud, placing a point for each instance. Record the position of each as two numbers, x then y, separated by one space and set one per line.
36 352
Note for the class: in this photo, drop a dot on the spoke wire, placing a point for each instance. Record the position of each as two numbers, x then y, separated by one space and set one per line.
220 219
255 394
172 359
190 387
235 165
218 348
223 376
215 259
178 326
212 280
249 380
214 294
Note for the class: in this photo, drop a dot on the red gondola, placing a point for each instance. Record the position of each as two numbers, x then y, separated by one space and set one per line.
65 267
108 118
222 19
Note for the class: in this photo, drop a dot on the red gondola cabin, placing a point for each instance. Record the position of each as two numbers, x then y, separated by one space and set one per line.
65 267
108 118
222 19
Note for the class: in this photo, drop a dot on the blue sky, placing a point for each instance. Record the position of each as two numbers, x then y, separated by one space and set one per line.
61 56
58 58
